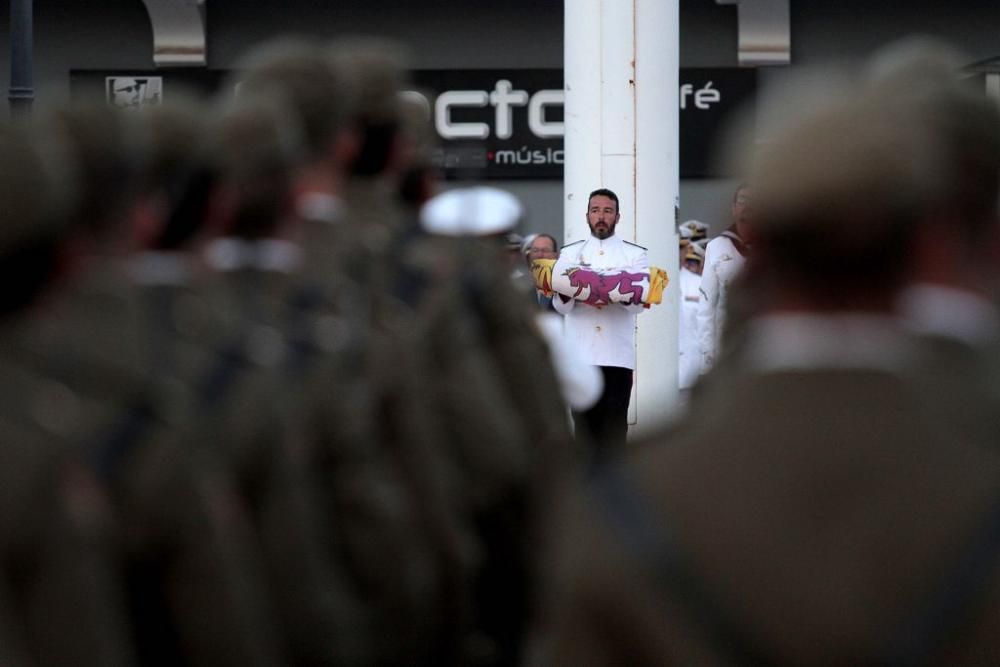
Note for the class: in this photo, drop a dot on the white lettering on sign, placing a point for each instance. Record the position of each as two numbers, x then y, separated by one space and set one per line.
460 98
504 97
528 156
704 97
536 113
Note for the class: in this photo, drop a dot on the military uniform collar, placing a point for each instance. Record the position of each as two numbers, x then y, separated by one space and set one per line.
813 341
605 243
320 207
741 246
950 312
161 268
233 254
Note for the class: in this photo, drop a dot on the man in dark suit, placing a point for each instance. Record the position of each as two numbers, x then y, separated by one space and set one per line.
818 516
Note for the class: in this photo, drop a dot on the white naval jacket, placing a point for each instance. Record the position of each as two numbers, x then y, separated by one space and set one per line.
689 359
602 336
723 263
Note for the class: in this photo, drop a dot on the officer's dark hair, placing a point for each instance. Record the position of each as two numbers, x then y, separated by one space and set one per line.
604 192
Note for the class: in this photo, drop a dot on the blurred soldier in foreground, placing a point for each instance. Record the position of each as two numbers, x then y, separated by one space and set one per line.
356 420
497 402
818 517
178 564
192 561
61 594
255 455
952 300
256 145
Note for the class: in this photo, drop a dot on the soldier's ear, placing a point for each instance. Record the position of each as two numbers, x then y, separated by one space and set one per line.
401 154
221 208
146 219
346 147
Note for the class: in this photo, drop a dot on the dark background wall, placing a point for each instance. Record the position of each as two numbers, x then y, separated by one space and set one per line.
113 34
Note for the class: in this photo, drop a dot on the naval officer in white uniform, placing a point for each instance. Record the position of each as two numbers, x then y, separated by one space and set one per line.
689 280
604 336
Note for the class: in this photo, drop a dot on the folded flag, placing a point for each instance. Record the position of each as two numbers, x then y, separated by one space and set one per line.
600 288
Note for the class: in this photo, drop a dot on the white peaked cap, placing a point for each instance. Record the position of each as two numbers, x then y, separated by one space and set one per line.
476 211
692 229
694 251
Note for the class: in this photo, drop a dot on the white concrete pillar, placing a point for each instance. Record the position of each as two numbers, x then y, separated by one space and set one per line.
621 116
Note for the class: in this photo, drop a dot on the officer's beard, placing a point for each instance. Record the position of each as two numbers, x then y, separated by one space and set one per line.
602 231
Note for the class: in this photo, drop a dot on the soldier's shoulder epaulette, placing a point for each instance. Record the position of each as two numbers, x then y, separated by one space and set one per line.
570 245
634 245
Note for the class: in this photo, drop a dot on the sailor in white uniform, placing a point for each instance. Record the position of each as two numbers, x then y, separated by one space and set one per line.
689 279
604 336
724 258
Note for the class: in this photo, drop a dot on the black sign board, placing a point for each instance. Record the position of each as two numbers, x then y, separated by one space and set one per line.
497 124
708 97
492 124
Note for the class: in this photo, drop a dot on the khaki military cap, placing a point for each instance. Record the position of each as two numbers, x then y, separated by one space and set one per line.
252 135
416 119
170 137
375 71
850 167
104 153
300 72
